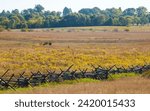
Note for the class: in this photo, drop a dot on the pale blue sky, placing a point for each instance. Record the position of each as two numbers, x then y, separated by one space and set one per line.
58 5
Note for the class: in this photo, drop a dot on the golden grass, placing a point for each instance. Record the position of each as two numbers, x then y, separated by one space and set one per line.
42 58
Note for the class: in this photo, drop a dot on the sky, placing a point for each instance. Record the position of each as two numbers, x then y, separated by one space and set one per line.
75 5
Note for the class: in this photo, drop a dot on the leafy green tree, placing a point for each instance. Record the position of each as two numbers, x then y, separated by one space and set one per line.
89 11
67 11
109 22
96 10
116 21
15 12
36 22
4 21
39 8
136 20
14 21
26 14
86 11
125 21
113 12
98 20
148 16
141 11
144 20
129 12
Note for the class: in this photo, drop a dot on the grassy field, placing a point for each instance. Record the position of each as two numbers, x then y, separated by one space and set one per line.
23 50
82 46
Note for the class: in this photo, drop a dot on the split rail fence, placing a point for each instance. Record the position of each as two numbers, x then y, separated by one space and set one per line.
37 78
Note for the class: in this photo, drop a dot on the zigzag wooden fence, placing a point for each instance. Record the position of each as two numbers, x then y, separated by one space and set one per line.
99 73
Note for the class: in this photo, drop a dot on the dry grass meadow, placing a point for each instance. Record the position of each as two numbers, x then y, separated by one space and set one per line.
82 46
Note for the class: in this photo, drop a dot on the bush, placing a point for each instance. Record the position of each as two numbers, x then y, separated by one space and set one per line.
30 30
1 29
8 29
105 30
126 30
115 30
24 30
52 29
70 30
91 29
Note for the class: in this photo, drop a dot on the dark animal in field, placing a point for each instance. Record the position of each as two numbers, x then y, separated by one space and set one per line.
46 43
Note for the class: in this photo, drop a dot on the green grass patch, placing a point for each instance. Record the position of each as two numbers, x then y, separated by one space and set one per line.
121 75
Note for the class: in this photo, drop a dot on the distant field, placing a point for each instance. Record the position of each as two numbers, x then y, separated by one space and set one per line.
80 46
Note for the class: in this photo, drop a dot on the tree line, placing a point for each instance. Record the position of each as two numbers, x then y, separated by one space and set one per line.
38 17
